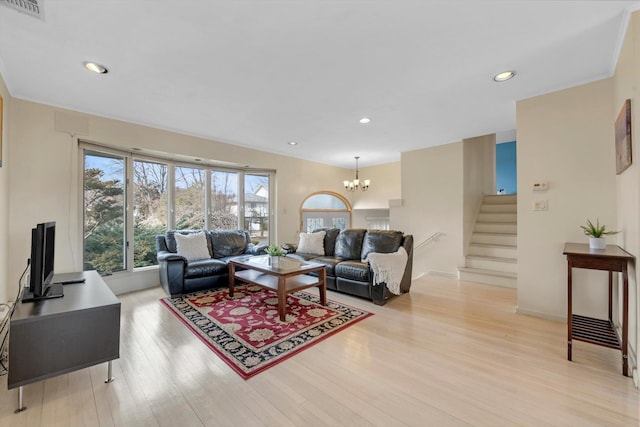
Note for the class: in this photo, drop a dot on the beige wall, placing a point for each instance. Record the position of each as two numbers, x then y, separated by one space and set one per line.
9 289
626 84
479 168
432 188
385 186
45 179
566 139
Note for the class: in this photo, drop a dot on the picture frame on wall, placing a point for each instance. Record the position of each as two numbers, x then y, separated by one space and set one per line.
623 138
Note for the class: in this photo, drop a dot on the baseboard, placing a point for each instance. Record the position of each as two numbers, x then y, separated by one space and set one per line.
124 282
633 367
541 314
442 273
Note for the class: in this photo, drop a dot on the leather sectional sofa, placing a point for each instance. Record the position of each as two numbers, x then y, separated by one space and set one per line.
179 276
343 254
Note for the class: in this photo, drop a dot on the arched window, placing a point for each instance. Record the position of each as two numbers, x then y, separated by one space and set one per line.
325 209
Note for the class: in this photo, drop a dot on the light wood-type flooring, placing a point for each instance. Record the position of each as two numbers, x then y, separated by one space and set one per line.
448 354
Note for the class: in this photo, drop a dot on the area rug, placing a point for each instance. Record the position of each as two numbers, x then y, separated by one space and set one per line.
246 331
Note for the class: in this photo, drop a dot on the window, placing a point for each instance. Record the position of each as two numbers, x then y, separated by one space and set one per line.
189 196
325 209
129 199
223 213
256 207
150 201
104 212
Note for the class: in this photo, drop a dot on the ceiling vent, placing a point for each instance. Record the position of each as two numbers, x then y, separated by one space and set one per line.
30 7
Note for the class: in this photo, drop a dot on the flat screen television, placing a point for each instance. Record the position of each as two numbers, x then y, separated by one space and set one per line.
43 240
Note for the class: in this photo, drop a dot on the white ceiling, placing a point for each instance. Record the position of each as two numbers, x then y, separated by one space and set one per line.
263 73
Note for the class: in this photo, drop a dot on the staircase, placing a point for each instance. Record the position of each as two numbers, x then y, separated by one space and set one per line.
492 257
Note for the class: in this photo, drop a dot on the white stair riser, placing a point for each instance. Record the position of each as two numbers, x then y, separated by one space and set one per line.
499 208
494 251
489 264
487 279
488 227
497 217
495 239
490 200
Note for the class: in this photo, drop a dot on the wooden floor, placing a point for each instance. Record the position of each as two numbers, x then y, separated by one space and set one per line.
448 354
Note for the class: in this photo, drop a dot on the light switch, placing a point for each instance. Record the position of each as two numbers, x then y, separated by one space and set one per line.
540 205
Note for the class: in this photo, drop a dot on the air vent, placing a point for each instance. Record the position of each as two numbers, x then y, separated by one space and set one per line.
30 7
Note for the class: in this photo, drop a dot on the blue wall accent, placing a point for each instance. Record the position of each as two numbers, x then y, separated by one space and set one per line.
506 172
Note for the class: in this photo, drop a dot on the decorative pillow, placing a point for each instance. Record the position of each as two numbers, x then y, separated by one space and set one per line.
311 243
192 246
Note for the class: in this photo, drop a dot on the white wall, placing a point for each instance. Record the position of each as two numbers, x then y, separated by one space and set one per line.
626 84
565 138
9 290
479 166
45 180
432 188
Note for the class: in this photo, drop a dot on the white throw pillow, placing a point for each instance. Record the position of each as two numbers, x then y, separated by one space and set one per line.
192 246
311 243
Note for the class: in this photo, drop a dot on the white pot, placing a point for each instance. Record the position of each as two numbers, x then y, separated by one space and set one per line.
274 260
597 243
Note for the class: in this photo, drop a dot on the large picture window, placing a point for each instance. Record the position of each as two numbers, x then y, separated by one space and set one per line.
129 199
150 202
223 213
104 212
256 206
189 198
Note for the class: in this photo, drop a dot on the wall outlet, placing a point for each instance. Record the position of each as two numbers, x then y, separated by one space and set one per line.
540 205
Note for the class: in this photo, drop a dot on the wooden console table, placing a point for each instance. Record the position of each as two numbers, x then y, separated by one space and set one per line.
598 331
56 336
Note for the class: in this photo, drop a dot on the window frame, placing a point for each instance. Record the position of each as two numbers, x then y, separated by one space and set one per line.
130 157
343 199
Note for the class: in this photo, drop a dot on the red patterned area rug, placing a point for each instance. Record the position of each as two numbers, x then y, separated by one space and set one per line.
246 331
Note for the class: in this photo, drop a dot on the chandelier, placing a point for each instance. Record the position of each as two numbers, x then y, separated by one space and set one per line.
355 184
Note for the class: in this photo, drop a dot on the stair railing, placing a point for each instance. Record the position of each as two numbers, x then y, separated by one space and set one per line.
428 240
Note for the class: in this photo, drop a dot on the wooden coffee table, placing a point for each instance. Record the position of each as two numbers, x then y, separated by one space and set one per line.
287 276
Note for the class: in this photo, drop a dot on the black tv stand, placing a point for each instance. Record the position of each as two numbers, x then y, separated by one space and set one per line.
54 290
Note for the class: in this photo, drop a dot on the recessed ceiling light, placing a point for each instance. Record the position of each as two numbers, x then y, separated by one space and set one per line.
504 76
365 120
96 68
292 143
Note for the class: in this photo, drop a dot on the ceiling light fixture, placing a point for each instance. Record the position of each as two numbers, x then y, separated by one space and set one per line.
292 143
365 120
504 76
355 184
95 67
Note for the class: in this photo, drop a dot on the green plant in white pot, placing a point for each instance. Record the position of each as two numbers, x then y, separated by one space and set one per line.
596 234
274 250
274 253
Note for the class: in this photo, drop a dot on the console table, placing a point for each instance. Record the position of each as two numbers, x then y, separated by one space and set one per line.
56 336
597 331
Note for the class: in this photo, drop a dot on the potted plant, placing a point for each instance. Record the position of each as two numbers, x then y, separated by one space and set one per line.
274 252
596 234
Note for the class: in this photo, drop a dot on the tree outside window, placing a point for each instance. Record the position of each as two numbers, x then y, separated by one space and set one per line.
149 209
104 213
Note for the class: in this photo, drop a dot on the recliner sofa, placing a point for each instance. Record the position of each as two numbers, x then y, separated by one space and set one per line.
343 254
179 276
